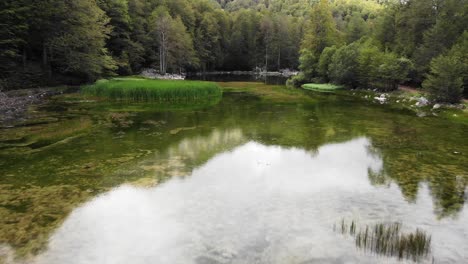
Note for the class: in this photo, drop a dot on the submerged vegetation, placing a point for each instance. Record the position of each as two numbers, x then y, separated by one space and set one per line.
153 90
107 143
267 92
388 239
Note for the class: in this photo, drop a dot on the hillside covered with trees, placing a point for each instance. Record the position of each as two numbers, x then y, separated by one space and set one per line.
357 43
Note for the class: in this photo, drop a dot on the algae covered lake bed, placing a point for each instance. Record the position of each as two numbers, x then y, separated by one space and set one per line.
260 176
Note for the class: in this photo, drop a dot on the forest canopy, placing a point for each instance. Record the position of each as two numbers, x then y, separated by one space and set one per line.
352 42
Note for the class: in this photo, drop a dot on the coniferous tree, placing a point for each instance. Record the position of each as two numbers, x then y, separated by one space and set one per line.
77 45
13 30
320 33
449 73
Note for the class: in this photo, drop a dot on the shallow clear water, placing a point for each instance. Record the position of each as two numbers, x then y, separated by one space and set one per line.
253 179
277 80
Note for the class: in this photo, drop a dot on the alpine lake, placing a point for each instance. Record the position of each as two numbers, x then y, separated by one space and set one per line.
267 174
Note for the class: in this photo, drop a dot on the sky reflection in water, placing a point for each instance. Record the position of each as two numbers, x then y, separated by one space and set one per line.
254 204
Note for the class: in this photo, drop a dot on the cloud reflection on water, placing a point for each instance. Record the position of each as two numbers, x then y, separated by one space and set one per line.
254 204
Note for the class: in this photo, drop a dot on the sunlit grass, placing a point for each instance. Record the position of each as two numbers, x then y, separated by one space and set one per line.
145 90
321 87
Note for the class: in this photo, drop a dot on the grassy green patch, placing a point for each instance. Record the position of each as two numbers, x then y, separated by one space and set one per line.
145 90
321 87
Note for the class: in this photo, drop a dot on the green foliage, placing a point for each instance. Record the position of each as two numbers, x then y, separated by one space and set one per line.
385 30
119 43
207 40
452 19
412 20
13 29
308 64
76 41
369 61
320 29
174 43
296 81
448 73
356 19
153 90
343 67
392 72
320 32
445 82
325 61
381 70
243 51
362 64
356 28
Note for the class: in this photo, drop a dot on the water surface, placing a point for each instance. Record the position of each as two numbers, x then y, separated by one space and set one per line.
257 178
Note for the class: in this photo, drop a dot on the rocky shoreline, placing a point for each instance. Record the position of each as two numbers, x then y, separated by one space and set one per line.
415 102
14 104
154 74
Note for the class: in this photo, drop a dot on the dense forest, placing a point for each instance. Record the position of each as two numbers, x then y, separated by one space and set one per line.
357 43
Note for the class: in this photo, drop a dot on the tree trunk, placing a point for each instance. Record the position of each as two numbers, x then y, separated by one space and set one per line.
160 58
279 59
44 56
45 61
24 58
162 54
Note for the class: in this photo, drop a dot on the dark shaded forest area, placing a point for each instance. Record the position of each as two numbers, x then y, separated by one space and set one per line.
378 43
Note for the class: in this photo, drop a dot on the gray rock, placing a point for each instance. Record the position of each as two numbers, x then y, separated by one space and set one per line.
154 74
421 114
381 99
422 101
436 106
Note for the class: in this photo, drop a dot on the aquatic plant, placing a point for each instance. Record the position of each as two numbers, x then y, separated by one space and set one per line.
388 239
152 90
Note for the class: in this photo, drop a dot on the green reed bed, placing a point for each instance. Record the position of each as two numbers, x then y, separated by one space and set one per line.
388 239
144 90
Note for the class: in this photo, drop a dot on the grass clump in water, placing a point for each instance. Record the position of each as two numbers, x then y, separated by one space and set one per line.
145 90
388 240
322 87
